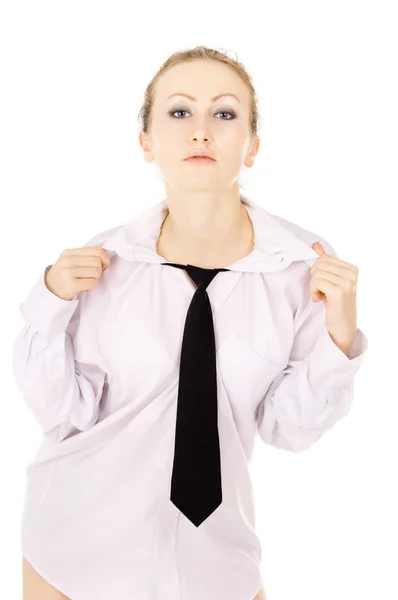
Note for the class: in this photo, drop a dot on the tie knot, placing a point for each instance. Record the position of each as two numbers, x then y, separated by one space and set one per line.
200 276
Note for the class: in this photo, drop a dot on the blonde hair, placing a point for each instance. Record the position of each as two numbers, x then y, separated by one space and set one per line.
199 52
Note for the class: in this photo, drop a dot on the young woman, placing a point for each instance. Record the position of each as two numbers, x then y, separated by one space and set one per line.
141 487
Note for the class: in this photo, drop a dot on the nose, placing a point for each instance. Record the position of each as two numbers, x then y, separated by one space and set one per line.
201 134
200 137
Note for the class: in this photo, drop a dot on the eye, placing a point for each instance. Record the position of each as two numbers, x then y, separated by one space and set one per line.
226 112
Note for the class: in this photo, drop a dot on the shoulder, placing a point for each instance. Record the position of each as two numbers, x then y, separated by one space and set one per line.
100 238
305 235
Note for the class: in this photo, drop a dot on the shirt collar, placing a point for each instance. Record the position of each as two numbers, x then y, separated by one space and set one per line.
275 246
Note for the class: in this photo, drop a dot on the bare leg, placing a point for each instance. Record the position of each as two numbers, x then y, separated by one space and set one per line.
35 587
261 595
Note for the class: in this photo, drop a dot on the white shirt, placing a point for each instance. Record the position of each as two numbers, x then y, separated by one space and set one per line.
100 374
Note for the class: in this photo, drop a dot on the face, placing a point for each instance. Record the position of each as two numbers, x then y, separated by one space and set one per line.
180 125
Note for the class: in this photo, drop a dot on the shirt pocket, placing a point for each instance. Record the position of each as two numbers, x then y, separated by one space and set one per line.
246 376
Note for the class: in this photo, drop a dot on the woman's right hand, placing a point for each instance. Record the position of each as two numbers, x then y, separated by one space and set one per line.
76 270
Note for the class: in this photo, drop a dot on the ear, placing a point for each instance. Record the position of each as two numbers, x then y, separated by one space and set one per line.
144 141
254 147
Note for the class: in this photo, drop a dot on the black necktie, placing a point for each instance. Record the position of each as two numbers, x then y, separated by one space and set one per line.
196 478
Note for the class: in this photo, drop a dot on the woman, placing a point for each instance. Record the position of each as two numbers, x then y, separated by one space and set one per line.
141 487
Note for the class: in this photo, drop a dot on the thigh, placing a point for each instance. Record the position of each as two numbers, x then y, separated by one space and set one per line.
35 587
261 595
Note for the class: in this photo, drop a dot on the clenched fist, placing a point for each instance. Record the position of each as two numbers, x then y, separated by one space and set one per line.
76 270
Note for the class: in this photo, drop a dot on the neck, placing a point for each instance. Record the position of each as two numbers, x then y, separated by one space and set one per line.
206 230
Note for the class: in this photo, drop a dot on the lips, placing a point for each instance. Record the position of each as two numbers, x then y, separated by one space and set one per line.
200 158
200 154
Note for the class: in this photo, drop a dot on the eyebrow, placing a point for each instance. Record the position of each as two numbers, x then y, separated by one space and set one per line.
194 99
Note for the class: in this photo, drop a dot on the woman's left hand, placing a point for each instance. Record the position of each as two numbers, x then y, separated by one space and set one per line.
335 282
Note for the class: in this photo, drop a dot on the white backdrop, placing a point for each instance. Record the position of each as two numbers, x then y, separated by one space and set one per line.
73 76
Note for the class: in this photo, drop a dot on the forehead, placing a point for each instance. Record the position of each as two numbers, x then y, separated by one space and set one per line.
202 79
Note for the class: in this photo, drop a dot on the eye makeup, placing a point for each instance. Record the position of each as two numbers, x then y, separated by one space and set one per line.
230 112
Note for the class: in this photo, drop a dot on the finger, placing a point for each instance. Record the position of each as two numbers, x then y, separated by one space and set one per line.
336 270
329 279
327 258
323 286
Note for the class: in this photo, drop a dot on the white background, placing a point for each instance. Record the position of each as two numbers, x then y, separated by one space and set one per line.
73 75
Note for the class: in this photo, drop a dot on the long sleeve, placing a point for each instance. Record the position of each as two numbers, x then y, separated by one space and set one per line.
315 389
55 387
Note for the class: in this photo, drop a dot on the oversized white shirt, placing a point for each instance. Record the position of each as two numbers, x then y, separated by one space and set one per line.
100 374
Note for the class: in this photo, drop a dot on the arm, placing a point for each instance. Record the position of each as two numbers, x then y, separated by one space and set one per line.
315 389
56 387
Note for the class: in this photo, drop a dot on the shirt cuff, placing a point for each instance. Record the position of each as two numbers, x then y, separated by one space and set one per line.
45 311
327 360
